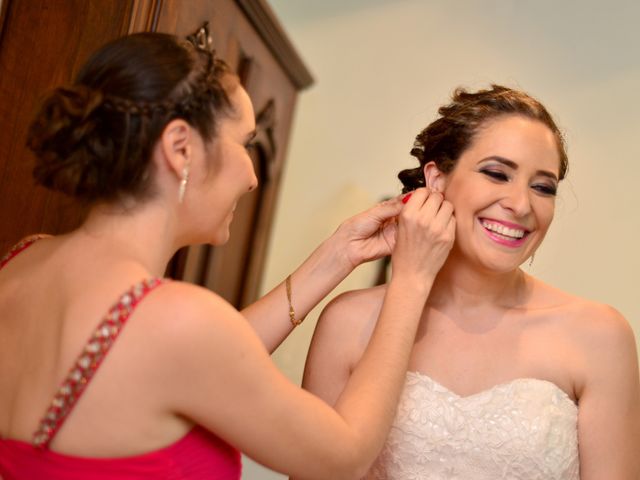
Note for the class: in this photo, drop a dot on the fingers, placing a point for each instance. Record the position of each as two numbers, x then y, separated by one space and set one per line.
427 210
444 214
425 234
451 227
392 207
429 204
415 198
387 209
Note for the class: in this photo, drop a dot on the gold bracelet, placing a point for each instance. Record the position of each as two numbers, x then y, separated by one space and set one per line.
292 314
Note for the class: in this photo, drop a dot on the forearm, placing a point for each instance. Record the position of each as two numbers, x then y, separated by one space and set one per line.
320 273
366 407
368 402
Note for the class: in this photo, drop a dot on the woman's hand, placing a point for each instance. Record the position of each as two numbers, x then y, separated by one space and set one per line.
371 234
425 234
366 236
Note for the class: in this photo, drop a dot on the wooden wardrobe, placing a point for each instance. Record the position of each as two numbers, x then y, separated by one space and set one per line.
42 45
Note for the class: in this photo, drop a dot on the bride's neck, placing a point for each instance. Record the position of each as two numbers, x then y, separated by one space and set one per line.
467 286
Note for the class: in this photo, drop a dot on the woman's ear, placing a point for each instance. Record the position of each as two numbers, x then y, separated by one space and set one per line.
176 144
434 179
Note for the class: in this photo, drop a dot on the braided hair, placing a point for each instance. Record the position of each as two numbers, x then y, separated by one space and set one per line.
445 139
93 139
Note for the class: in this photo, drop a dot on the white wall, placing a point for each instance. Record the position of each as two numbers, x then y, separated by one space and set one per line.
383 68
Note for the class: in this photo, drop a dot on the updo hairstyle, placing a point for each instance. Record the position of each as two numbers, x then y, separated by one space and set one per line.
445 139
93 139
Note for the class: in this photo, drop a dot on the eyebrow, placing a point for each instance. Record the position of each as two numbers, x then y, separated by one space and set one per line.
511 164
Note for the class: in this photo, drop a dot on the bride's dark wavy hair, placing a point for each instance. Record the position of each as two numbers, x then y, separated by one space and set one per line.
446 138
93 139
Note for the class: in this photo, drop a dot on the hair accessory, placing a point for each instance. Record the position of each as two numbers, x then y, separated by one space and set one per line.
406 198
292 314
183 182
418 145
201 38
148 109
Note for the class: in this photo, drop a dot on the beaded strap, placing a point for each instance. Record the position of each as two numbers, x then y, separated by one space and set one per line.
19 247
89 360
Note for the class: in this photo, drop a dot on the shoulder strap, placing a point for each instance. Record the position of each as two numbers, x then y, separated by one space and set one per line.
19 247
89 360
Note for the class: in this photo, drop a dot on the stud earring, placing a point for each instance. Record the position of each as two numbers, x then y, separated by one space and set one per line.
183 183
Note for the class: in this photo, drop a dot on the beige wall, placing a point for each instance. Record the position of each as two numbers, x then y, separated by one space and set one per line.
383 68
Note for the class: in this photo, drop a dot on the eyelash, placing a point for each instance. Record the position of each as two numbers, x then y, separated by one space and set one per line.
495 175
500 176
546 189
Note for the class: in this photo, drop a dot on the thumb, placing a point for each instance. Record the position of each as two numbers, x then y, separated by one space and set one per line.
387 209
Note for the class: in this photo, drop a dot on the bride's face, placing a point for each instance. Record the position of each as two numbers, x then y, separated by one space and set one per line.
503 189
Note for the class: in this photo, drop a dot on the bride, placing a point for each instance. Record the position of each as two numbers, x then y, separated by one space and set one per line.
509 377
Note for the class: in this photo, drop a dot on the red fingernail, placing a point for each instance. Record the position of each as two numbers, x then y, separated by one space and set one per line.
406 198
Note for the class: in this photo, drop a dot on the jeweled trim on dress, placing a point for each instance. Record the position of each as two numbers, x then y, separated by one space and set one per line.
89 360
19 247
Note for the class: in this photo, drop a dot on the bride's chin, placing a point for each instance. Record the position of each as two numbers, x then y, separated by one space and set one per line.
497 267
489 264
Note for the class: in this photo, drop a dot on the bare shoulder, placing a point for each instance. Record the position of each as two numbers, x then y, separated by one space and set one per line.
188 298
192 336
182 310
603 332
351 316
345 326
187 326
363 301
593 323
341 336
600 335
585 318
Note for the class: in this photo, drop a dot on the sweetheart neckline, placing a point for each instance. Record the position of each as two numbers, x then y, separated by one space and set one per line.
490 389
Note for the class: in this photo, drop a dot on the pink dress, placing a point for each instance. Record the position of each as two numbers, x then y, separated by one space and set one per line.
199 455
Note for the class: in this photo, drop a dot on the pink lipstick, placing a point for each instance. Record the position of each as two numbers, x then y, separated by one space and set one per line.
505 233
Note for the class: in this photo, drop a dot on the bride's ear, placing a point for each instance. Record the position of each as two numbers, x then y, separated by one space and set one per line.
434 179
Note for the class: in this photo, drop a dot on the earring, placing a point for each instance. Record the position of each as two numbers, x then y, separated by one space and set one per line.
183 183
531 260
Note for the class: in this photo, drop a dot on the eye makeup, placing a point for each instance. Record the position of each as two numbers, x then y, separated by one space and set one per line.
496 174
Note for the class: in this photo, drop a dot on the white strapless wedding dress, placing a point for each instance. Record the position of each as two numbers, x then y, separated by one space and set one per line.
525 429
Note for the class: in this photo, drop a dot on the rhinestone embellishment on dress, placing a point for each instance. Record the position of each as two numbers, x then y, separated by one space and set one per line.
19 248
89 361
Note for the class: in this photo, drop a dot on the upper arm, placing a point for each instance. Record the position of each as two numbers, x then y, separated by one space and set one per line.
338 341
609 403
221 377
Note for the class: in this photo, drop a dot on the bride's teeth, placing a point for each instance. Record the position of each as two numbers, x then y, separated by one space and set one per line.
502 230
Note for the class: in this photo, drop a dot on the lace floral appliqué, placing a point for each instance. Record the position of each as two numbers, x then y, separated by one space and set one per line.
522 430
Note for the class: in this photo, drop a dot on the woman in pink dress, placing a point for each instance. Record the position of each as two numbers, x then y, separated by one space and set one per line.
109 371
